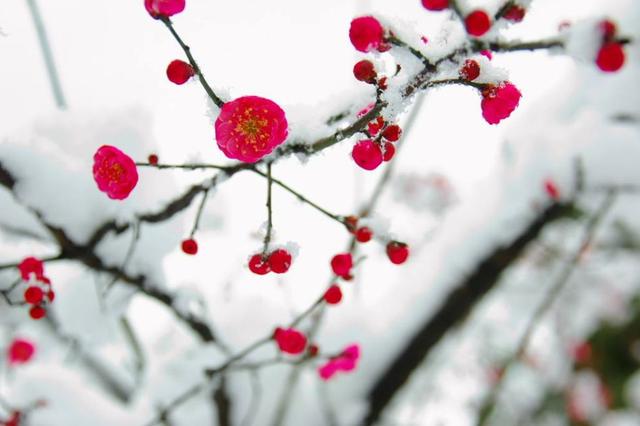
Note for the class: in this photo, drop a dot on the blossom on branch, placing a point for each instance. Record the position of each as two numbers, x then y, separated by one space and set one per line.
346 361
31 265
366 34
367 154
290 340
250 128
498 102
114 172
20 351
160 8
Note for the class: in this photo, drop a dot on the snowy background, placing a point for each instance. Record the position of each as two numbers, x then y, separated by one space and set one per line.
112 61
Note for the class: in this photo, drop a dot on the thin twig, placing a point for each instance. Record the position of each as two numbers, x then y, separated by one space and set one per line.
455 7
44 259
267 236
136 347
135 236
256 397
193 166
203 202
450 81
415 52
182 398
504 9
187 51
299 196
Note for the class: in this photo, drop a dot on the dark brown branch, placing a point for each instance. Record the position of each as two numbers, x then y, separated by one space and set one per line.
334 138
453 4
44 259
85 254
98 368
223 403
415 52
555 290
461 300
173 207
6 179
516 47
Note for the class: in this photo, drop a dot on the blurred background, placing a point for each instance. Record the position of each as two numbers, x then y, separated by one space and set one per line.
546 202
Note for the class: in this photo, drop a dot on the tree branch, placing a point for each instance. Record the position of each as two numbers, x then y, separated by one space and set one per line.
461 300
553 293
187 51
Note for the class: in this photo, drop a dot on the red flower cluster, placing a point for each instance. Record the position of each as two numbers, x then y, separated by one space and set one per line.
611 56
20 351
279 261
370 153
346 361
290 340
250 127
114 172
31 266
498 102
160 8
39 292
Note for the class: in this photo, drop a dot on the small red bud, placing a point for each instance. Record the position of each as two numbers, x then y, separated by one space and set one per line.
33 295
364 234
435 5
397 252
365 71
279 261
351 222
610 57
389 151
477 23
37 312
189 246
470 70
392 133
341 264
515 13
333 295
179 72
259 265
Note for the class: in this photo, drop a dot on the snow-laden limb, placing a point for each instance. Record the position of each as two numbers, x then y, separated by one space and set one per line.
456 307
70 250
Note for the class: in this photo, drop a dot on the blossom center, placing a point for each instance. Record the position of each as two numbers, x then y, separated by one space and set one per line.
251 127
113 172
